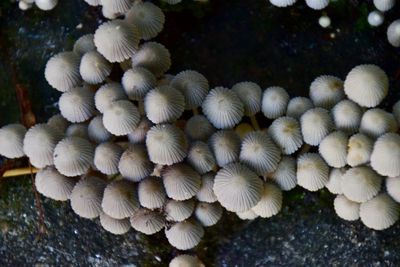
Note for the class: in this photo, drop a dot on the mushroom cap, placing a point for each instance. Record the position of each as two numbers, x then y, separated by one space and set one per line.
62 71
114 226
334 184
333 149
223 108
58 122
166 144
393 188
147 222
151 193
199 128
346 209
134 163
396 111
312 171
208 214
225 144
375 122
77 105
237 187
86 197
50 183
138 135
121 117
379 213
152 56
282 3
201 158
347 116
317 4
247 215
393 33
85 43
178 211
116 40
39 143
137 82
106 157
24 5
73 156
12 140
94 68
367 85
78 130
46 4
384 5
315 124
147 17
360 184
250 94
96 131
164 104
259 152
285 174
286 133
181 182
193 85
206 192
326 91
184 235
172 2
274 102
270 203
109 14
117 6
375 18
107 94
297 106
359 150
385 155
185 260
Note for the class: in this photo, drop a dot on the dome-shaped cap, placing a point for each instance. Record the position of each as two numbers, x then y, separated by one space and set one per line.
274 102
137 82
178 211
58 122
223 108
134 163
200 157
152 56
107 94
396 111
96 131
333 148
78 130
367 85
73 156
282 3
84 44
334 184
109 14
393 33
151 193
385 155
50 183
114 226
46 4
297 106
359 150
77 105
375 122
379 213
138 135
326 91
185 260
285 174
94 68
208 214
312 171
185 235
247 215
199 128
237 187
147 222
225 145
346 209
117 6
250 94
121 117
12 141
315 124
270 203
286 133
317 4
106 157
384 5
347 116
393 188
62 71
375 18
206 192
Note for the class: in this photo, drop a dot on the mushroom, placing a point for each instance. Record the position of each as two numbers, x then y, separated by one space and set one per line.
346 209
201 158
385 155
151 193
121 118
107 94
50 183
137 82
225 145
206 192
199 128
250 94
379 213
94 68
114 226
333 148
138 135
326 91
134 164
297 106
375 122
178 211
208 214
12 140
315 124
147 222
106 157
270 203
78 130
312 171
285 174
96 131
359 150
317 4
153 56
334 183
85 43
185 260
274 102
347 116
185 235
375 18
286 133
77 105
384 5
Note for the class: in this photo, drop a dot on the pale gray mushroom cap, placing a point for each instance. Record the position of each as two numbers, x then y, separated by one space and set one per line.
375 18
285 174
315 124
393 33
58 122
134 163
208 214
78 130
237 187
312 171
77 105
347 116
225 145
206 192
121 117
334 184
247 215
393 188
185 260
274 102
114 226
152 56
250 94
185 235
178 211
385 155
333 148
396 111
151 193
384 5
12 141
317 4
375 122
117 6
109 14
359 150
147 222
282 3
201 158
138 135
106 157
50 183
85 43
137 82
199 128
94 68
107 94
271 201
326 91
46 4
379 213
297 106
346 209
96 131
286 133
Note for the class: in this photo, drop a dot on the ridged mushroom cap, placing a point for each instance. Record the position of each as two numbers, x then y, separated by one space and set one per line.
50 183
375 18
359 150
282 3
152 56
121 117
393 188
77 105
94 68
117 6
285 174
178 211
84 44
86 197
206 192
185 260
137 82
326 91
147 222
393 33
346 209
78 130
106 157
385 155
151 193
225 145
114 226
334 184
312 171
166 144
274 102
347 116
367 85
46 4
134 163
208 214
259 152
181 182
109 14
247 215
270 203
360 184
107 94
297 106
315 124
199 128
96 131
375 122
223 108
73 156
333 149
286 133
317 4
58 122
62 71
138 135
185 235
201 158
379 213
12 141
384 5
116 40
237 187
250 94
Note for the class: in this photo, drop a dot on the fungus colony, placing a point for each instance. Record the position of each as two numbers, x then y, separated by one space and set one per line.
121 150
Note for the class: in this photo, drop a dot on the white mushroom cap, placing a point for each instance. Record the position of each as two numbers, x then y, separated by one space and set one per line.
185 235
62 71
137 82
147 17
77 105
326 91
94 68
73 156
24 5
393 33
259 152
384 5
114 226
270 203
274 102
360 184
206 192
247 215
317 4
333 148
166 144
46 4
134 163
286 133
50 183
315 124
106 157
375 18
312 171
117 6
39 143
282 3
193 85
223 108
96 131
379 213
178 211
393 188
86 197
107 94
334 184
385 155
359 150
184 260
375 122
208 214
164 104
285 174
250 94
121 117
151 193
324 21
346 209
12 141
237 187
153 56
58 122
147 222
201 158
367 85
78 130
396 111
84 44
199 128
109 14
225 145
181 182
116 40
297 106
347 116
138 135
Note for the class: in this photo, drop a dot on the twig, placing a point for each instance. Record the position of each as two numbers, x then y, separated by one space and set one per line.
19 172
41 225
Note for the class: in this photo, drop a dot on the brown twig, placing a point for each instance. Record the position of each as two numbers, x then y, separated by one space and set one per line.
41 225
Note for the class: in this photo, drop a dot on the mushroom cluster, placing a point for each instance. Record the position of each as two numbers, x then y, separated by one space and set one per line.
44 5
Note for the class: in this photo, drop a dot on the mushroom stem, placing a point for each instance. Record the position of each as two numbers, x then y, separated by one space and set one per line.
195 111
19 172
254 122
